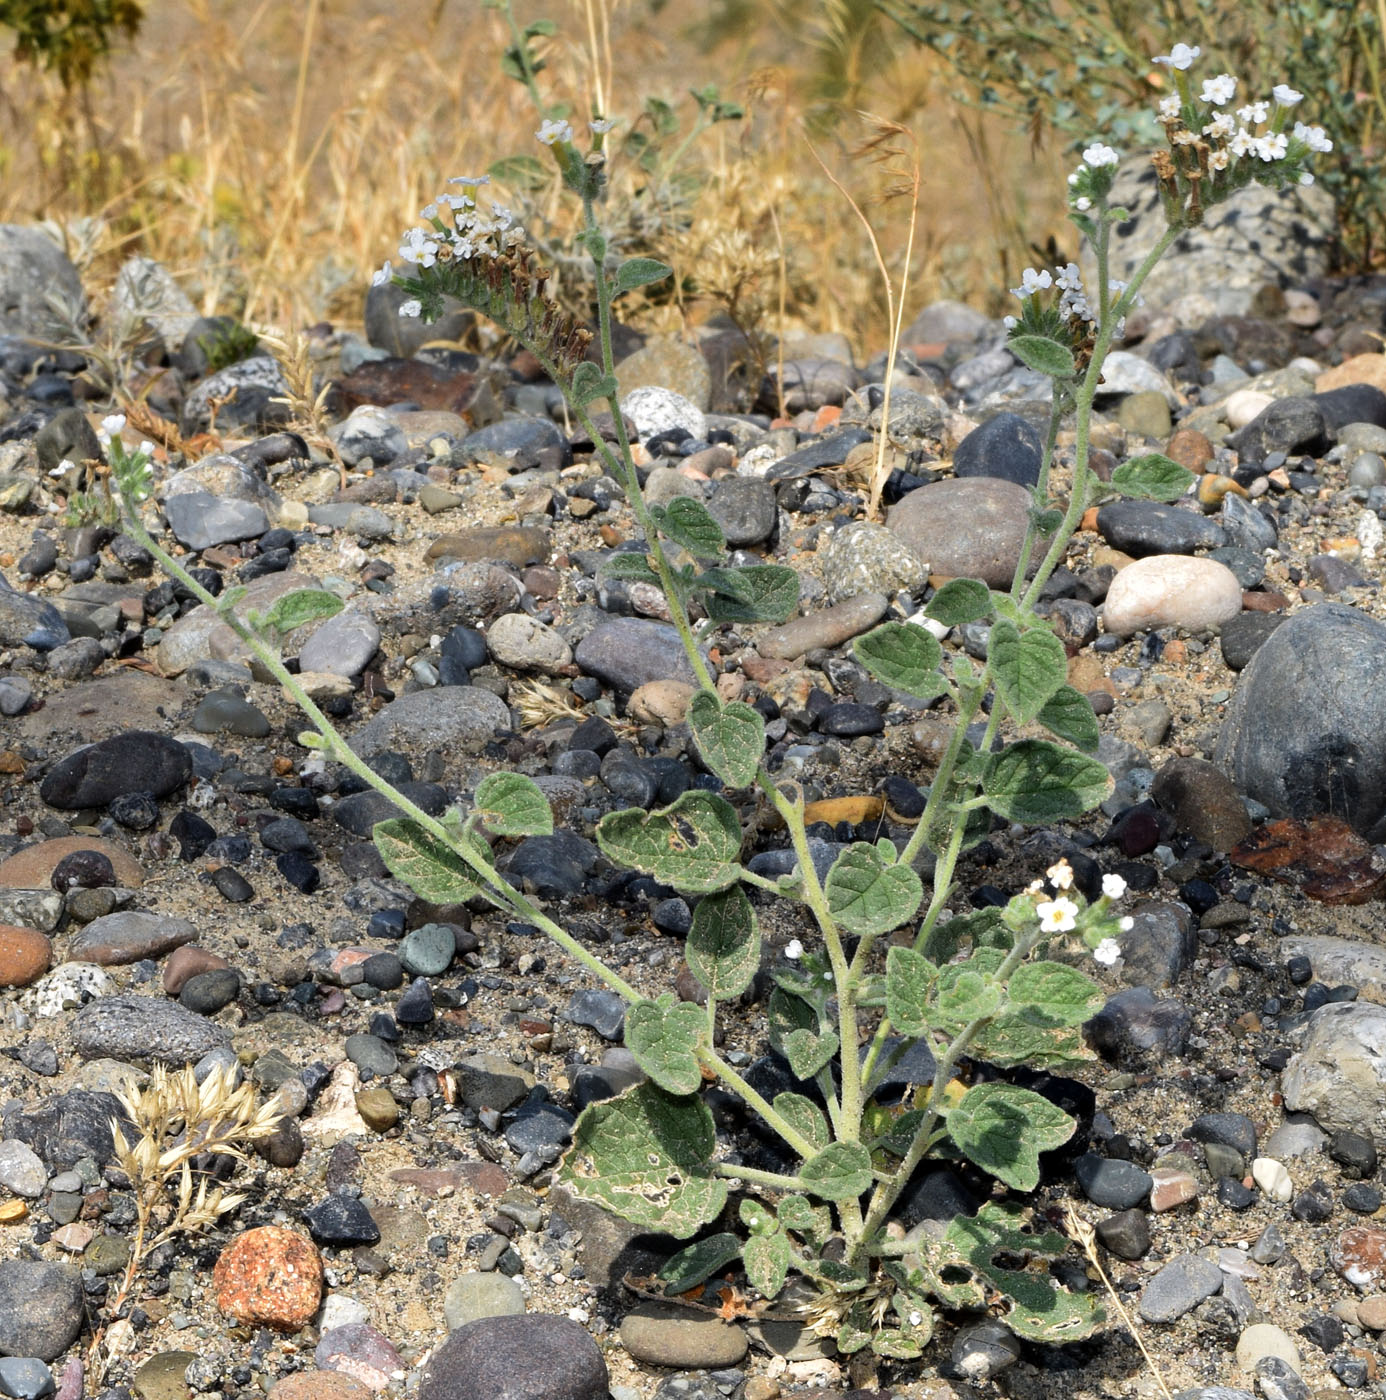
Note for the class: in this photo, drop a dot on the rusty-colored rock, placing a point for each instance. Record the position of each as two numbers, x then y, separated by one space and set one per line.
25 955
518 545
1359 1255
185 963
385 382
1190 449
1324 857
269 1277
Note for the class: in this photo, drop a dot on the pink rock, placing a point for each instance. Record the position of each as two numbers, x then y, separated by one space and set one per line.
1171 590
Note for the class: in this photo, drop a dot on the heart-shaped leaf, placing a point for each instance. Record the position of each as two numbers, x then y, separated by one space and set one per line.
910 979
291 610
640 272
799 1214
645 1157
693 844
805 1117
434 872
904 657
723 945
589 383
869 897
510 804
767 1259
663 1036
1151 476
960 600
625 566
1003 1129
689 524
839 1173
807 1052
1036 781
730 737
1069 714
1028 667
697 1262
752 593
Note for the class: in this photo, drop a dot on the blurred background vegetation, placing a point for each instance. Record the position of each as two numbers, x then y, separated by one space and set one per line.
269 154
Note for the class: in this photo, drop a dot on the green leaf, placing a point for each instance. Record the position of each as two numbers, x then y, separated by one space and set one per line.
757 1217
434 872
960 600
980 928
786 1013
231 598
627 567
903 656
510 804
753 593
858 1327
689 524
694 844
1027 667
291 610
964 993
723 945
839 1173
898 1343
540 27
1041 1311
910 978
640 272
663 1036
1036 781
1069 714
799 1214
807 1052
767 1259
589 383
1062 995
1024 1037
805 1117
645 1157
1003 1129
1151 476
519 172
730 737
697 1262
1047 356
867 896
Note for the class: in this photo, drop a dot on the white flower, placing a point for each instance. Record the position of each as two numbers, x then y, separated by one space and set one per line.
381 276
1243 143
1220 160
429 211
1306 178
1170 107
1180 56
1113 886
411 308
1221 127
1057 915
1009 322
1069 278
471 181
1285 95
1073 179
1184 137
1253 113
1098 155
1272 147
601 125
1313 137
1220 90
1126 924
1060 874
419 247
1032 282
794 950
1107 952
112 424
1082 204
147 449
554 130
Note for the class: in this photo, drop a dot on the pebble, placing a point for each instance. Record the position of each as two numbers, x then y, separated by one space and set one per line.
969 528
473 1296
41 1308
201 521
1273 1178
536 1356
342 646
25 1378
1115 1184
663 1334
340 1219
1005 447
745 508
135 761
1142 528
25 955
129 935
142 1028
628 652
1179 1287
319 1385
525 643
656 410
360 1351
1171 590
828 627
863 557
21 1169
457 719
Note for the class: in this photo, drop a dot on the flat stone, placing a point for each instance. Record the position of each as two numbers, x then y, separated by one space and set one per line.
1323 856
1339 961
533 1357
1263 1339
457 718
190 638
628 652
41 1308
1142 528
1171 590
141 1028
135 761
966 528
664 1334
342 646
164 1376
473 1296
200 520
1179 1287
28 620
67 1127
129 935
828 627
319 1385
518 545
33 867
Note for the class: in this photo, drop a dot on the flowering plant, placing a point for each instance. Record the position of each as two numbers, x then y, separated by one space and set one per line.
886 968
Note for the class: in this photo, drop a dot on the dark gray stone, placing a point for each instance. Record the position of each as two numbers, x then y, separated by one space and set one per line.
25 1378
627 652
1111 1182
531 1357
341 1220
603 1010
1141 528
136 761
359 812
32 268
1247 528
458 719
200 520
1285 425
1305 733
513 435
41 1308
554 866
67 436
1160 944
206 993
139 1028
29 621
1353 403
68 1127
1005 446
744 506
1135 1024
1242 636
1234 1130
829 451
1179 1287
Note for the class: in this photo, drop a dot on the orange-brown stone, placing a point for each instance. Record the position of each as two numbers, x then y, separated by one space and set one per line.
185 963
269 1277
25 955
32 868
1360 369
320 1385
1190 449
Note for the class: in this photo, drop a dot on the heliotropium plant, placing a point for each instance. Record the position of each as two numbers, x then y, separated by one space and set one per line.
881 967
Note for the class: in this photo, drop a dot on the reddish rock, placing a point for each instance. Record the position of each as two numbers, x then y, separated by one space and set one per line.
185 963
1359 1255
518 545
25 955
483 1177
1266 602
390 381
269 1277
1171 1188
1324 857
32 868
319 1385
1190 449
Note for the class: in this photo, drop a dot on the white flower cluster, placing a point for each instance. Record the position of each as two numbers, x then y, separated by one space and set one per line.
1073 303
474 233
1062 914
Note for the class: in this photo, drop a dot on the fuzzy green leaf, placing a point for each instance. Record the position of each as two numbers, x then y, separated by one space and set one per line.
1027 667
1061 995
839 1173
697 1262
640 272
694 844
434 872
786 1013
645 1157
663 1036
904 657
964 993
910 978
302 605
980 928
1003 1128
960 600
723 945
753 593
807 1053
868 897
730 737
1036 781
1024 1037
1151 476
627 567
1069 714
1047 356
805 1117
690 525
767 1259
589 383
510 804
799 1214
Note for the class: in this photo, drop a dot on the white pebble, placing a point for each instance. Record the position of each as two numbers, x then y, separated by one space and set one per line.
1171 590
1273 1178
1243 405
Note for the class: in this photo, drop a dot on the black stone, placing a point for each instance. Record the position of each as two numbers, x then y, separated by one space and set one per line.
415 1006
87 870
70 1126
341 1220
136 761
137 811
1115 1184
1005 446
847 719
232 885
1150 527
208 992
1127 1234
1353 1152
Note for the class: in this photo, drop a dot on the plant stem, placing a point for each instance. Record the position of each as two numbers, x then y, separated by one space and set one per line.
777 1180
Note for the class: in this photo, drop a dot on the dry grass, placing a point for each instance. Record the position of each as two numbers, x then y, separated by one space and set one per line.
270 154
